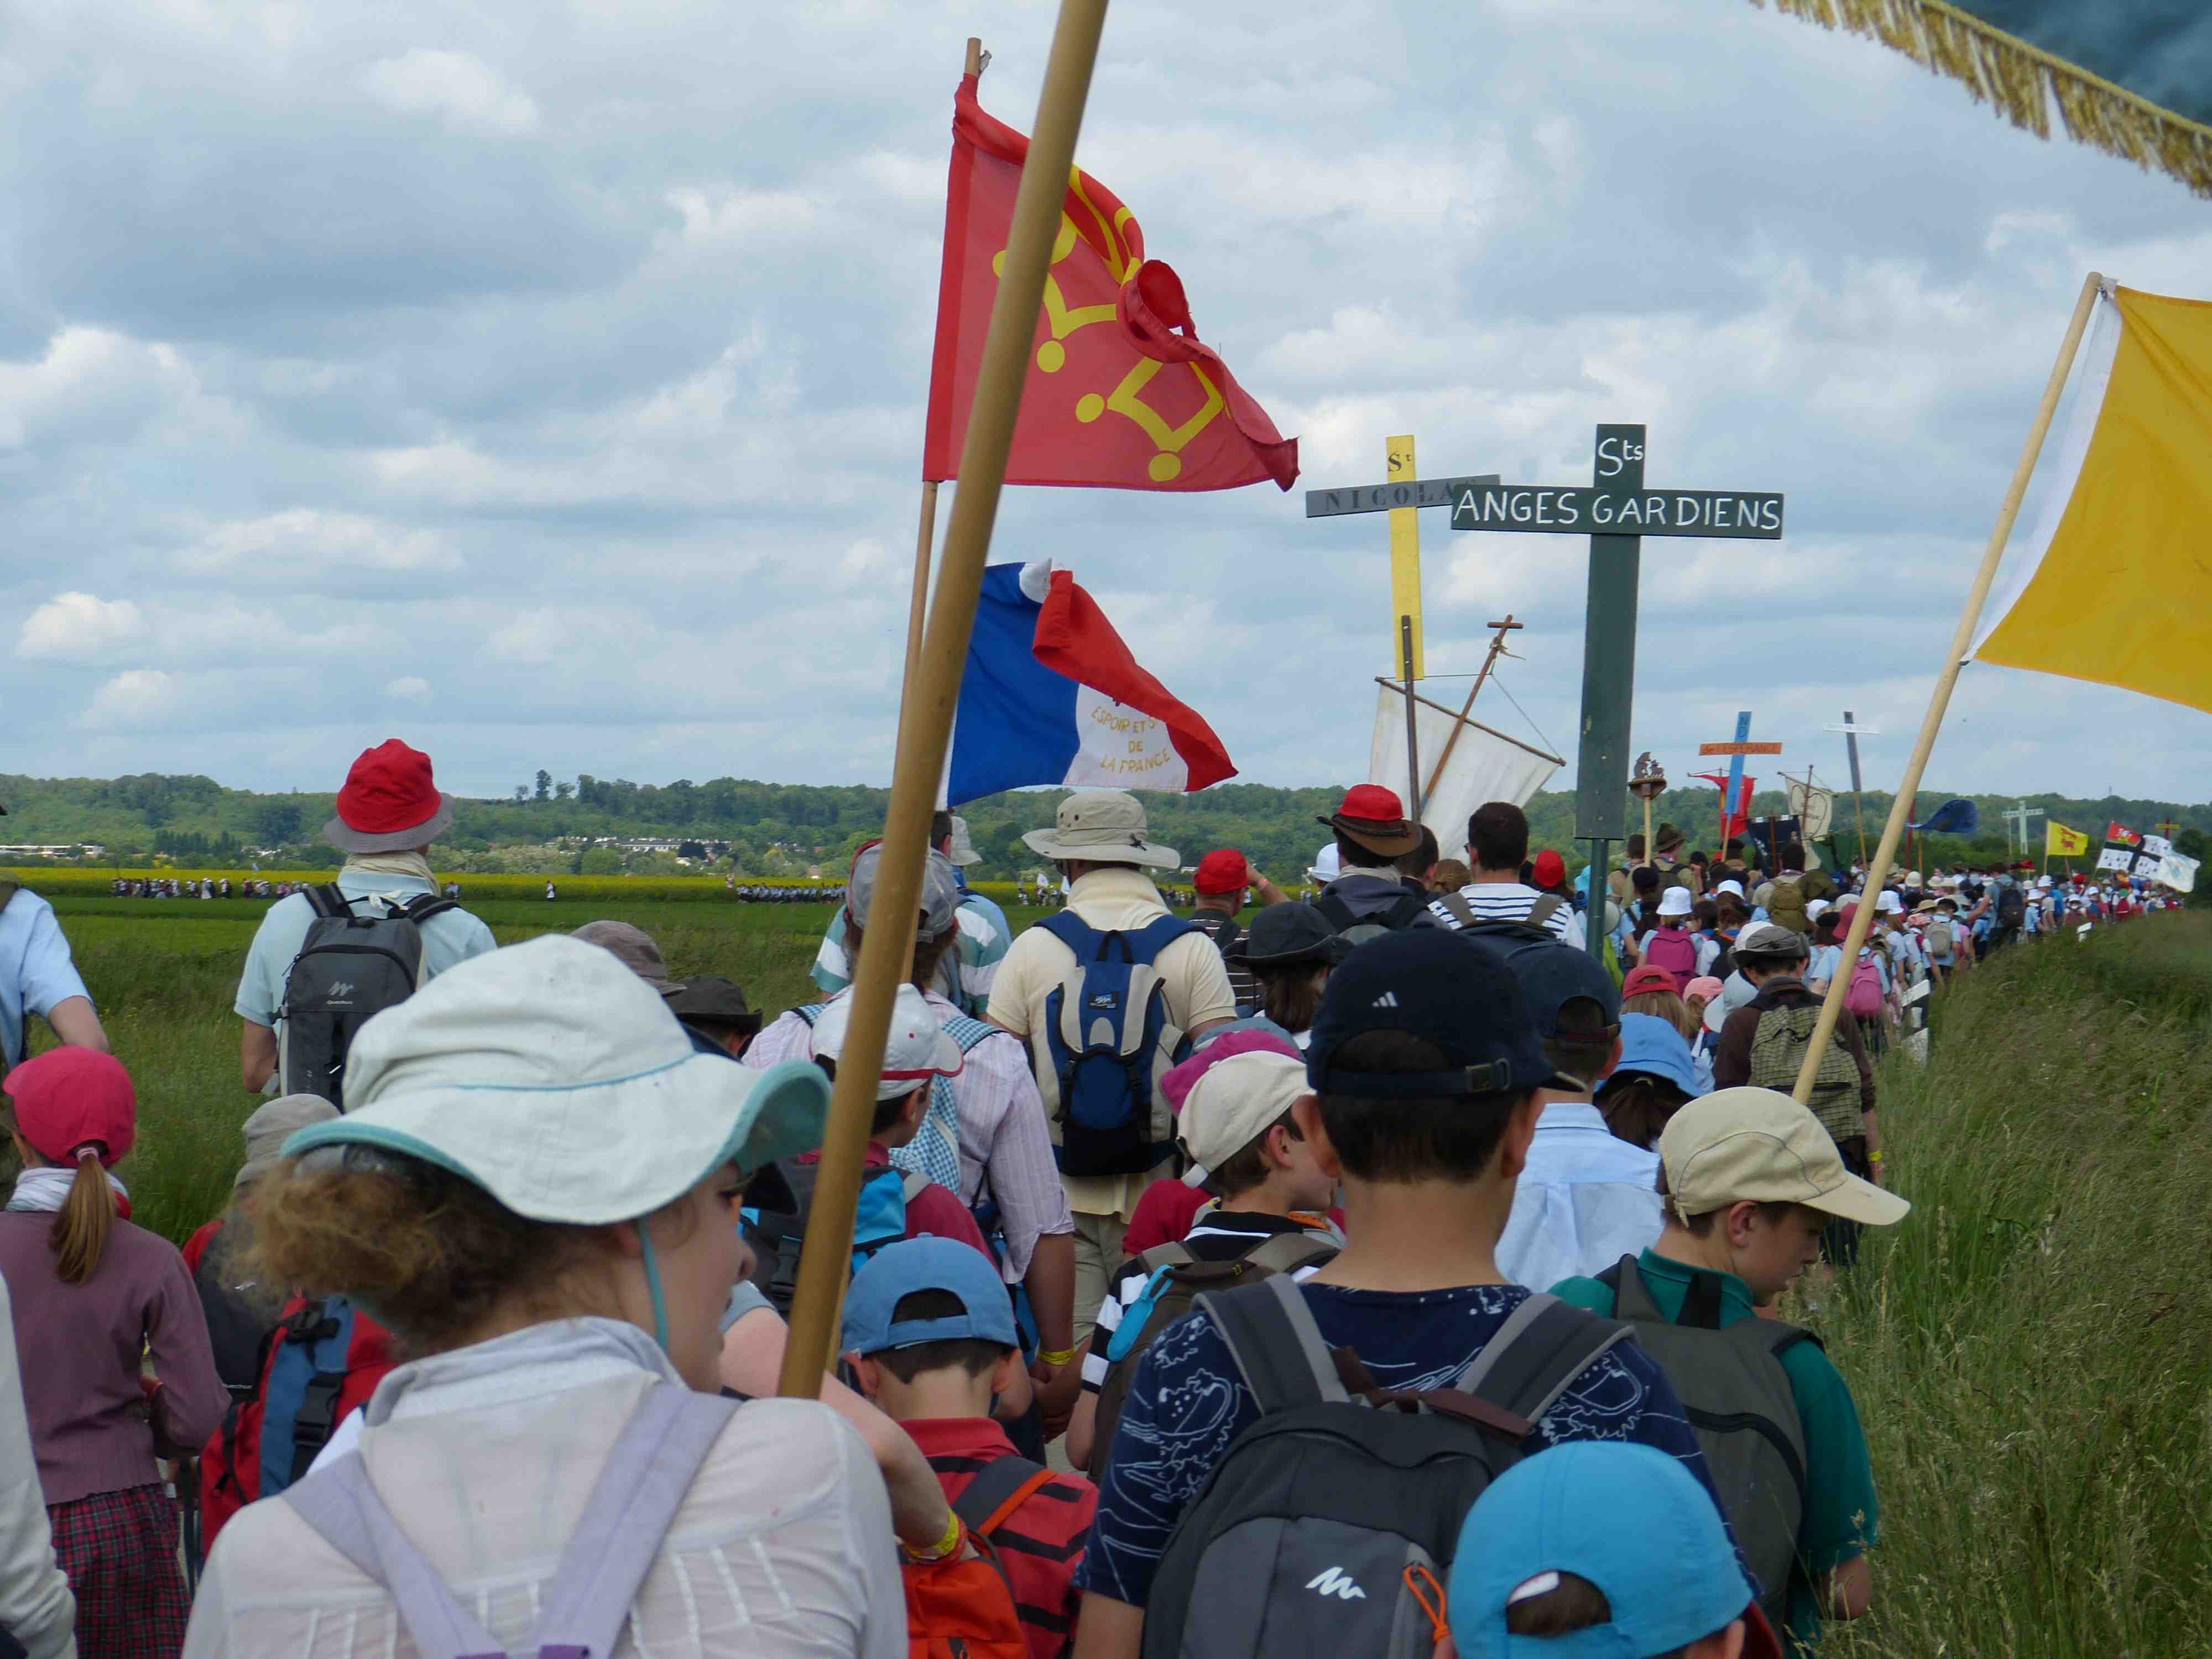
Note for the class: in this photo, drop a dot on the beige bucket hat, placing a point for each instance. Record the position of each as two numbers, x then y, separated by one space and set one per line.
1101 826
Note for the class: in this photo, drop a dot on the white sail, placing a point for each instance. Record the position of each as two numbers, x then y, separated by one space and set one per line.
1458 774
1815 807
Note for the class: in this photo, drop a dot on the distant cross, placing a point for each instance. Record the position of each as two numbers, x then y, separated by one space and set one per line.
1615 511
2016 820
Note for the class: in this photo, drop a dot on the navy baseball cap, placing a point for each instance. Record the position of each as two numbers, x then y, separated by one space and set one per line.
1628 1518
927 1263
1552 975
1430 983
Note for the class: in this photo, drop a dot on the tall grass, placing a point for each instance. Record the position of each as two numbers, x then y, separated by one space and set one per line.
2032 1349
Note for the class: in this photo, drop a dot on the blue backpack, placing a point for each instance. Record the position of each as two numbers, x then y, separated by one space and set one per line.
1109 1039
778 1236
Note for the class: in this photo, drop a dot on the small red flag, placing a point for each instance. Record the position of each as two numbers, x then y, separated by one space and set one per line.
1121 394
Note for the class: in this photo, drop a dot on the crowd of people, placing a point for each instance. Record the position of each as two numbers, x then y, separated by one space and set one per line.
1383 1273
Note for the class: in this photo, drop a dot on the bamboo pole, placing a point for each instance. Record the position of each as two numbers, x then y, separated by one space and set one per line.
827 1256
1900 806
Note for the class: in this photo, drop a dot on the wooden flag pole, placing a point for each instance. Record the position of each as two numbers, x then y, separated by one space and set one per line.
1900 806
1496 650
827 1257
918 601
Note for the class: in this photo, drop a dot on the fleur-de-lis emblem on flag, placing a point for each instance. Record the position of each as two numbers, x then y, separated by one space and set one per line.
1121 394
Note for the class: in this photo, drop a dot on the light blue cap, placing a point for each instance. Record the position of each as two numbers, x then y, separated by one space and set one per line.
927 1263
1652 1046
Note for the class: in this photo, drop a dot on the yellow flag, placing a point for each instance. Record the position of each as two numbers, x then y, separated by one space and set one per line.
2060 843
2116 588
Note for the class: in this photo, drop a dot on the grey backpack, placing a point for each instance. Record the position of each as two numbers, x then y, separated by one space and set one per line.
588 1599
1739 1399
349 967
1307 1540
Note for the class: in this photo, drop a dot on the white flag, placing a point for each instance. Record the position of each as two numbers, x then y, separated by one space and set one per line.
1458 774
2179 871
2115 858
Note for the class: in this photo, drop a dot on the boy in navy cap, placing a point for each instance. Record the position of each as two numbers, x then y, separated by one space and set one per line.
929 1330
1599 1551
1427 1074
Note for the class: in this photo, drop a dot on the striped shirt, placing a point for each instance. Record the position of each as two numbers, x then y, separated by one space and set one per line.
1218 925
1040 1545
1508 900
1216 1235
983 942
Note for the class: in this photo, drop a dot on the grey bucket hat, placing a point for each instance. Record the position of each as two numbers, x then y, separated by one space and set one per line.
1101 826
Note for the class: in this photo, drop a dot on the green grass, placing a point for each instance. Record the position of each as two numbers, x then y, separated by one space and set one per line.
2032 1349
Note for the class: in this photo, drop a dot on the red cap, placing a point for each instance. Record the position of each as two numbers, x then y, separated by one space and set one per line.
1648 977
1551 869
390 802
1371 802
68 1098
1222 871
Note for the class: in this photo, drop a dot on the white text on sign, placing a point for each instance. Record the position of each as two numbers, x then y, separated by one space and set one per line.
1575 510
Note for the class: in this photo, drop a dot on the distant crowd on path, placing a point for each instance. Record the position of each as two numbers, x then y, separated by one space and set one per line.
1383 1272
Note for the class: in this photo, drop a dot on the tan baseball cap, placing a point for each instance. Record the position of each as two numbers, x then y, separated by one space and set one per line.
1760 1145
1234 1101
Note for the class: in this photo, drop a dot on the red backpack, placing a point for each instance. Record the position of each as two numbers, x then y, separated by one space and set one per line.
1864 998
1675 949
324 1359
965 1609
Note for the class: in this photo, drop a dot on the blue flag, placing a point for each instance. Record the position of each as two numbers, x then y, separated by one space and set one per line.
1953 818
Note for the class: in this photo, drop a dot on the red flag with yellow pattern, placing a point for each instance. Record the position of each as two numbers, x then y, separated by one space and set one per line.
1121 395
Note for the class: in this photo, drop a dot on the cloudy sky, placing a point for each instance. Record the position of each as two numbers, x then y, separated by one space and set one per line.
543 382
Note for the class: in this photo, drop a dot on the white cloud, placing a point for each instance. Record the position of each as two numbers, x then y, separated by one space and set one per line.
136 696
78 627
461 89
410 687
323 543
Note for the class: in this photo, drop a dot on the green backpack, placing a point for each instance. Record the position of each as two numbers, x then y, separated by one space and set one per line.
1777 1049
1785 905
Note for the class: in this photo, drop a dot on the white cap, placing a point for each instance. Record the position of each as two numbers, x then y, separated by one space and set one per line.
1675 902
1815 908
1729 886
916 1050
556 1079
1888 904
1327 865
1235 1100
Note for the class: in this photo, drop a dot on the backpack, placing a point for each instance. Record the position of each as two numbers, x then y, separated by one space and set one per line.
1675 950
1109 1041
1863 996
1535 927
1938 938
1777 1049
324 1358
1356 931
1785 904
777 1237
2011 907
606 1559
1308 1538
966 1609
238 1322
935 1151
1177 1280
349 967
1739 1399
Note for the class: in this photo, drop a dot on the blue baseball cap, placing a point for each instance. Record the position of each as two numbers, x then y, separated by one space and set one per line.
1431 983
1550 975
1652 1046
927 1263
1629 1519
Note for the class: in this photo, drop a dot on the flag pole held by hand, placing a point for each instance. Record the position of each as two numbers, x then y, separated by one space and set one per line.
926 725
1900 808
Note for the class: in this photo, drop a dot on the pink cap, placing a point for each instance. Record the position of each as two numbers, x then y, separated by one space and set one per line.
1706 986
70 1099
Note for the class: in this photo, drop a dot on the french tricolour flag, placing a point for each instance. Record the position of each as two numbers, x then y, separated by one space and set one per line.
1052 696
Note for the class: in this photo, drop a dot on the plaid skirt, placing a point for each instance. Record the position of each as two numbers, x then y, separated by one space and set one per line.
119 1550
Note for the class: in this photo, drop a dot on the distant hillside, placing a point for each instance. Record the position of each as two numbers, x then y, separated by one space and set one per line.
771 828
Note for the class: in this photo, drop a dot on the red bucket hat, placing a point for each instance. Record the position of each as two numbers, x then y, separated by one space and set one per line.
67 1098
1551 869
390 803
1374 818
1222 871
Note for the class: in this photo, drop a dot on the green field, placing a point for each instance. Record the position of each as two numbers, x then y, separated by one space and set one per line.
2029 1350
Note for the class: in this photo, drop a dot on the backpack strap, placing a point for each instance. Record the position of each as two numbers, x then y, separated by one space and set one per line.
1406 912
1000 1487
1541 912
1277 1346
421 907
642 1485
1076 934
326 900
1455 906
1335 912
1544 1346
1285 1253
1173 1253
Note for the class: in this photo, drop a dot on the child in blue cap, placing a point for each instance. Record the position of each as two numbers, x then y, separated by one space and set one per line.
1600 1549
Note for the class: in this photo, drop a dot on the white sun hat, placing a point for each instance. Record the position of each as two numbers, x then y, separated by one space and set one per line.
1101 826
556 1079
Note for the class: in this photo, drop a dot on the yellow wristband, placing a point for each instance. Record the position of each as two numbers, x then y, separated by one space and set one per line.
1874 1158
944 1547
1056 1360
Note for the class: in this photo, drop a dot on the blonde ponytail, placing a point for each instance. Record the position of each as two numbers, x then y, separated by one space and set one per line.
79 1237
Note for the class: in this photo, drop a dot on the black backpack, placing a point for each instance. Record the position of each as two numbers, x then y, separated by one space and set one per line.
1503 933
1739 1399
1357 930
239 1321
777 1235
349 967
2012 909
1304 1540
